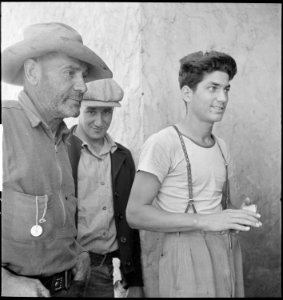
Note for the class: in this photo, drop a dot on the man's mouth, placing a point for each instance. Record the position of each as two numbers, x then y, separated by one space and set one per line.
97 129
77 100
219 108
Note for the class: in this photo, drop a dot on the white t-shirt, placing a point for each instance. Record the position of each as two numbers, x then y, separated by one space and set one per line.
162 155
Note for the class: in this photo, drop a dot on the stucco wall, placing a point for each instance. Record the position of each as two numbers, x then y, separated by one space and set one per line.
142 44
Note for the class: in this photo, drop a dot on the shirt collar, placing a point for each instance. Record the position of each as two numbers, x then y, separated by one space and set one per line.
35 118
30 110
109 145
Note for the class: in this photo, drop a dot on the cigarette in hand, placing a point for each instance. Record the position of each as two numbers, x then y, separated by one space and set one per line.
251 207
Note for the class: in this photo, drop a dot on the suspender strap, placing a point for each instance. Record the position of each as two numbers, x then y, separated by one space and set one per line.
226 193
189 172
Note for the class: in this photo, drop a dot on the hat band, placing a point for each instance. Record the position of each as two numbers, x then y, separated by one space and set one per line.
100 103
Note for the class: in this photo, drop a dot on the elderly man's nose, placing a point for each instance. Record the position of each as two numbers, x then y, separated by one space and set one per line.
80 84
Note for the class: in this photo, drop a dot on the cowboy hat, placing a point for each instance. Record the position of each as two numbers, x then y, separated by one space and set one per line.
103 92
40 39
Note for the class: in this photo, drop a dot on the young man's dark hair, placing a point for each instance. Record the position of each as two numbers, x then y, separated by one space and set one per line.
194 66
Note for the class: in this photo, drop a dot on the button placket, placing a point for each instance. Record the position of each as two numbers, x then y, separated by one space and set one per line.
123 239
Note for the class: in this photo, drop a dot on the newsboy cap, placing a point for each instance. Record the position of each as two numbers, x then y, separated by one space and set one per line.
40 39
103 92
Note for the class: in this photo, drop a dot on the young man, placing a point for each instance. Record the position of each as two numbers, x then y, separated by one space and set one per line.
184 169
40 254
104 172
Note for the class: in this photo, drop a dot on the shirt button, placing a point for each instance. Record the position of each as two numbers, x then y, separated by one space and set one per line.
128 263
120 216
104 208
102 183
116 194
123 239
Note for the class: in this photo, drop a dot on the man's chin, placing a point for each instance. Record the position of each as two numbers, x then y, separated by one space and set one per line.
72 114
76 114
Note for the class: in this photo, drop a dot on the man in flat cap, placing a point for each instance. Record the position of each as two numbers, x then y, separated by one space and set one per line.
104 171
40 254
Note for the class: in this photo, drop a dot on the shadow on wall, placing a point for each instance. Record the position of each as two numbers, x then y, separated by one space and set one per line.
262 261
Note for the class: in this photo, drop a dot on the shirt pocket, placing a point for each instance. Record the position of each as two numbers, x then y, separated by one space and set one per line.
68 230
20 212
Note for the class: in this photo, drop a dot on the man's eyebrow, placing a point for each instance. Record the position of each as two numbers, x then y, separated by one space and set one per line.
218 84
82 68
90 108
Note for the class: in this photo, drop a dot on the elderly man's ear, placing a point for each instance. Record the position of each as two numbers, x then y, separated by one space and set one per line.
187 93
31 71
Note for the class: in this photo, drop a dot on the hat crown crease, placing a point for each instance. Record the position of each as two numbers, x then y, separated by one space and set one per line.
42 38
58 30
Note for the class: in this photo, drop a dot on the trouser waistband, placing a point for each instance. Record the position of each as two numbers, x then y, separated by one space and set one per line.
102 259
56 282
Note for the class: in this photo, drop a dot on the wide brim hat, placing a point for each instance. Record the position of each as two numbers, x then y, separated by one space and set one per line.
103 93
40 39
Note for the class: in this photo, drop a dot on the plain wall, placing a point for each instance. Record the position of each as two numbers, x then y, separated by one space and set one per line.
142 44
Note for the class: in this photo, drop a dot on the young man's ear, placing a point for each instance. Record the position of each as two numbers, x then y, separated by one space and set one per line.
31 71
187 93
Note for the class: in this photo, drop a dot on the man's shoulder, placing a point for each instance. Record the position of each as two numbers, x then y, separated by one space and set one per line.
11 111
123 151
165 137
220 141
122 148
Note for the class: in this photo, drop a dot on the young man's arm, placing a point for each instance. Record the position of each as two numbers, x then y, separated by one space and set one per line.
142 215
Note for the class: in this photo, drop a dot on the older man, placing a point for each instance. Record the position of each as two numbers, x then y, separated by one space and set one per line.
40 254
104 172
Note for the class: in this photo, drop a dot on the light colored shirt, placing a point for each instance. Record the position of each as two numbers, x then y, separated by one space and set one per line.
162 155
96 224
36 176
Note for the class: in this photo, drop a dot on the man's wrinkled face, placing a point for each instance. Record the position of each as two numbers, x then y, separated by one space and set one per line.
95 121
62 84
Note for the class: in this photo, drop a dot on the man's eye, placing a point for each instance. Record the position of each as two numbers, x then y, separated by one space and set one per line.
212 88
70 73
108 112
91 112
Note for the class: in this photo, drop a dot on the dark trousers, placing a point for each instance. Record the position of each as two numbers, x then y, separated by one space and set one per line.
76 289
100 282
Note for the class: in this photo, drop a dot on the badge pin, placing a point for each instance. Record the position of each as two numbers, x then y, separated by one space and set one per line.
36 230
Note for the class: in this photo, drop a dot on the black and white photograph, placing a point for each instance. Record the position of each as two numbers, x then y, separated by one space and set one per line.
141 149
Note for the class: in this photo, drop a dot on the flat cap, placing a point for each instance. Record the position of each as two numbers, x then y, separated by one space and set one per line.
103 92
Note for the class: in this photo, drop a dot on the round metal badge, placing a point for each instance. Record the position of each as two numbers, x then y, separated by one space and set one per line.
36 230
